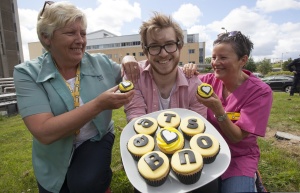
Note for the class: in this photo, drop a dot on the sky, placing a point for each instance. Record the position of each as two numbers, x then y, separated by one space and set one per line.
272 25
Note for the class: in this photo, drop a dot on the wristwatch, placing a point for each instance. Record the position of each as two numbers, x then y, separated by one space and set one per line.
221 117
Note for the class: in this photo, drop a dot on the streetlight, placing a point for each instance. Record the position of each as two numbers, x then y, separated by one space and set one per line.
223 28
282 58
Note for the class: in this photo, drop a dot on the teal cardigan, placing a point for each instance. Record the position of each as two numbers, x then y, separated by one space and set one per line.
40 89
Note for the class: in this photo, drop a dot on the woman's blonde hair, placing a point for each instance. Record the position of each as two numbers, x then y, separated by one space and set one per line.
55 16
157 22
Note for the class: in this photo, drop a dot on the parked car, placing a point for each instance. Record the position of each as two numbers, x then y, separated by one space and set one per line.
280 82
258 75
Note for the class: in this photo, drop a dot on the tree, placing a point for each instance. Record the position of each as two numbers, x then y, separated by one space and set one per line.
264 66
208 60
284 65
250 65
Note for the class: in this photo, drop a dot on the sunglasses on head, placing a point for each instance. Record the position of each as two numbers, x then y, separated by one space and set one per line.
46 3
235 35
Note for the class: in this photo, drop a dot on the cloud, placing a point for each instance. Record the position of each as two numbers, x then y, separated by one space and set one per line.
112 15
270 39
109 15
277 5
187 14
27 20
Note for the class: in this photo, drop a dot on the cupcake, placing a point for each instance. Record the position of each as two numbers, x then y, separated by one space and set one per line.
168 119
126 86
187 165
154 167
145 125
169 140
205 90
140 144
207 145
191 126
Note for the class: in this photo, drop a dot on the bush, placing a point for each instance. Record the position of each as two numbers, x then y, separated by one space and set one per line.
280 73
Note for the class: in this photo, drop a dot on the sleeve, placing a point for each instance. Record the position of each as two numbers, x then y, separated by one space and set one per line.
255 113
137 106
290 66
31 97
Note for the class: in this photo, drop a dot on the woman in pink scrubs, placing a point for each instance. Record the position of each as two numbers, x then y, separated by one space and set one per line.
239 108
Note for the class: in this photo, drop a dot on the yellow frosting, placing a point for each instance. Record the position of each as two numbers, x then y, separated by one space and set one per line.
163 121
146 171
184 125
141 125
139 151
172 147
188 167
205 152
205 90
126 86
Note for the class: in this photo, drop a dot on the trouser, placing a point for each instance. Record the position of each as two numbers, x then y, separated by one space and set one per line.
237 184
89 170
295 83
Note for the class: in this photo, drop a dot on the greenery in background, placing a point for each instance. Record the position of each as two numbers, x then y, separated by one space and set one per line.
279 165
264 66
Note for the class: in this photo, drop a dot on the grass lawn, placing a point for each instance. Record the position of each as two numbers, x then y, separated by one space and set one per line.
279 165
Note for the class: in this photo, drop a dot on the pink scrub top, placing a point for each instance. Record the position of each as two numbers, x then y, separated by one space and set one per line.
253 100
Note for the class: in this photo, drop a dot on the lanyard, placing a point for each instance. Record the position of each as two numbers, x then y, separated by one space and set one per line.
76 91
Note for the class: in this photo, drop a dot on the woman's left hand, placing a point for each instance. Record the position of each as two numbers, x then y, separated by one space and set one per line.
190 69
213 103
131 68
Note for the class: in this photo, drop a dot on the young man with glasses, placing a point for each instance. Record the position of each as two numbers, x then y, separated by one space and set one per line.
162 84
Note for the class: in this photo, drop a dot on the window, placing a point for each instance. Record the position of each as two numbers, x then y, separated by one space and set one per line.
191 51
142 54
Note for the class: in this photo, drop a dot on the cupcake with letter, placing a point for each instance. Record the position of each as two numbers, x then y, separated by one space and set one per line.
154 167
187 165
140 144
191 126
207 145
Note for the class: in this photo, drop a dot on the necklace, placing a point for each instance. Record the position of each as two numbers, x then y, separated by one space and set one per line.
74 92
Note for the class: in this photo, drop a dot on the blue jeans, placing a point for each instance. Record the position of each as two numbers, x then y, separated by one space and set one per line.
237 184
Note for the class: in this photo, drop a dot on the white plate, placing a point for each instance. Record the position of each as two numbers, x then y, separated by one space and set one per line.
172 184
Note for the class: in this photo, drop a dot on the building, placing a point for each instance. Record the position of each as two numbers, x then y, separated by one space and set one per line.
11 52
116 47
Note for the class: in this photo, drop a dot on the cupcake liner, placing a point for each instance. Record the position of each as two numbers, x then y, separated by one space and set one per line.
188 137
151 134
156 182
208 160
189 179
135 157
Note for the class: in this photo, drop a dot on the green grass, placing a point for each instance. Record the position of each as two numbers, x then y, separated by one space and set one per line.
279 164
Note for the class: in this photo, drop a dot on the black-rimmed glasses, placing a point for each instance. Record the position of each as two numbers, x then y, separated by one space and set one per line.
46 3
170 47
